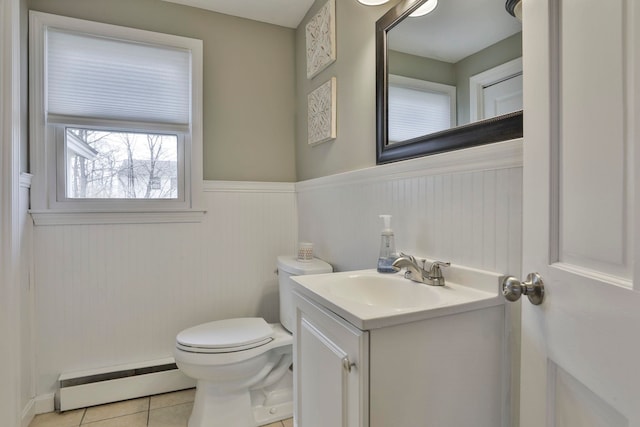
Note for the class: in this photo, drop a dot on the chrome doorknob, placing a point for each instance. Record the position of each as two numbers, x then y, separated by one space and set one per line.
533 288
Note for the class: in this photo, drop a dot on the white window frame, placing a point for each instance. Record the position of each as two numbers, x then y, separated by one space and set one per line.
57 133
48 201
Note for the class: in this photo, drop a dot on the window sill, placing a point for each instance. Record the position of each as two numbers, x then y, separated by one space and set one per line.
44 218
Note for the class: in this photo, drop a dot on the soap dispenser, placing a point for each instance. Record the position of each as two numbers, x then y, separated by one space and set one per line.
387 247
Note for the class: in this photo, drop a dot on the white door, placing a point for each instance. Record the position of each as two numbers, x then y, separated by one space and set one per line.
581 346
496 91
503 97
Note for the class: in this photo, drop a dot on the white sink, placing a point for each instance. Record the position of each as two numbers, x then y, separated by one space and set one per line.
370 300
381 290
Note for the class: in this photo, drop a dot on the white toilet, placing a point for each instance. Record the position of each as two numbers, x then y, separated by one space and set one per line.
243 366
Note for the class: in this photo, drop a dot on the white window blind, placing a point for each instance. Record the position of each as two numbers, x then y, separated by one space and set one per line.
90 77
416 112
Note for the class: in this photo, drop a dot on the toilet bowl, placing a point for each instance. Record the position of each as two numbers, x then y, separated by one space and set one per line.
243 365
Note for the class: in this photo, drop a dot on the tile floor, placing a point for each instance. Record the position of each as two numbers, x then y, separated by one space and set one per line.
163 410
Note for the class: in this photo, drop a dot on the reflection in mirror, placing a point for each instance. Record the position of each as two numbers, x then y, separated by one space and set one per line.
460 64
419 107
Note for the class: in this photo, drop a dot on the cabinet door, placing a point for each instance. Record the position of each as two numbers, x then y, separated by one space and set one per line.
330 369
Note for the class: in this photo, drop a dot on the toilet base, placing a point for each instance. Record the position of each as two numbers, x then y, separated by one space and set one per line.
212 408
274 403
243 409
267 415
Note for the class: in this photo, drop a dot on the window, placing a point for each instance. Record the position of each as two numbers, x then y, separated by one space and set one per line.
116 118
101 164
418 107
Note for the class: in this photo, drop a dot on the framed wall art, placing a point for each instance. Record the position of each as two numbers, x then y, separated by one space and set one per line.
321 39
321 113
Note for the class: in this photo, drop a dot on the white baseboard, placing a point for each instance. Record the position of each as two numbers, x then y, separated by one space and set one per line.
44 403
28 413
89 388
123 389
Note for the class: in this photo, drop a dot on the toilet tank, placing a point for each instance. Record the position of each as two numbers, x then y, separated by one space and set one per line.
290 266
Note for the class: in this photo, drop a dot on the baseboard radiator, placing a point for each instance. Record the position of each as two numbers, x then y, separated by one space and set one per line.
106 385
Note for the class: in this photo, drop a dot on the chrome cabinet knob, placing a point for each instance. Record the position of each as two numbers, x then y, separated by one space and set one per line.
347 365
533 288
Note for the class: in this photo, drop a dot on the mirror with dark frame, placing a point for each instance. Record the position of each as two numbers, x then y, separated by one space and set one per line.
448 80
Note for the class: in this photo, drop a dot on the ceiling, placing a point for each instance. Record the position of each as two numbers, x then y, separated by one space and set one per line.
286 13
454 30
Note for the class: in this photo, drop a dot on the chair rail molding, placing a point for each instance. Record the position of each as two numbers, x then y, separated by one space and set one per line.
501 155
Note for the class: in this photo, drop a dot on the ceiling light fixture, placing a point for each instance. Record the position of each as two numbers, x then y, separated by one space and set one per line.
514 7
373 2
426 8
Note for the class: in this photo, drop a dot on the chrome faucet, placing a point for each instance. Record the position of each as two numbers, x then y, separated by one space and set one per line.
418 273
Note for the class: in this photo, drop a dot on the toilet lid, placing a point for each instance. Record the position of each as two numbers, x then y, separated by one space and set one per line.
228 334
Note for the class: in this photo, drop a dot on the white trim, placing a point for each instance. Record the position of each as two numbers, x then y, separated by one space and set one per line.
501 155
42 218
598 276
10 139
116 124
52 217
103 392
248 187
120 388
44 403
113 31
28 413
478 82
108 369
59 202
25 180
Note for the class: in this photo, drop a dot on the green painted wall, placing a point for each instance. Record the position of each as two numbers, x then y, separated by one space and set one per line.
255 85
355 71
249 81
419 67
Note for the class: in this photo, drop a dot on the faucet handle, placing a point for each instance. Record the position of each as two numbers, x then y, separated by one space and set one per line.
434 270
411 257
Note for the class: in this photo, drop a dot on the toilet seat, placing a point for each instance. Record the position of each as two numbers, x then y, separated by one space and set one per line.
226 336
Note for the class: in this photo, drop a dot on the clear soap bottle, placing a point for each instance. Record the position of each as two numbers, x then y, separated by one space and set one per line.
387 247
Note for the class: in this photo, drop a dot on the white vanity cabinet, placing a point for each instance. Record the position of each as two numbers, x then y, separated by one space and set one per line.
331 374
446 370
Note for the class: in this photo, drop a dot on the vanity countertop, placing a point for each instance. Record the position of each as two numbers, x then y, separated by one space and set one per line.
370 300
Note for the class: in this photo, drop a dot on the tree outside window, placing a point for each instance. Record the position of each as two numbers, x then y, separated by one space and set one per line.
121 165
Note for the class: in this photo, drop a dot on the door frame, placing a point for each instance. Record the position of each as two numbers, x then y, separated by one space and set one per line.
479 81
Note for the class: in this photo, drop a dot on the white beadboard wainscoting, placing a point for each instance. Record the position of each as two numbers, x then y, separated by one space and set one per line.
113 294
463 206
